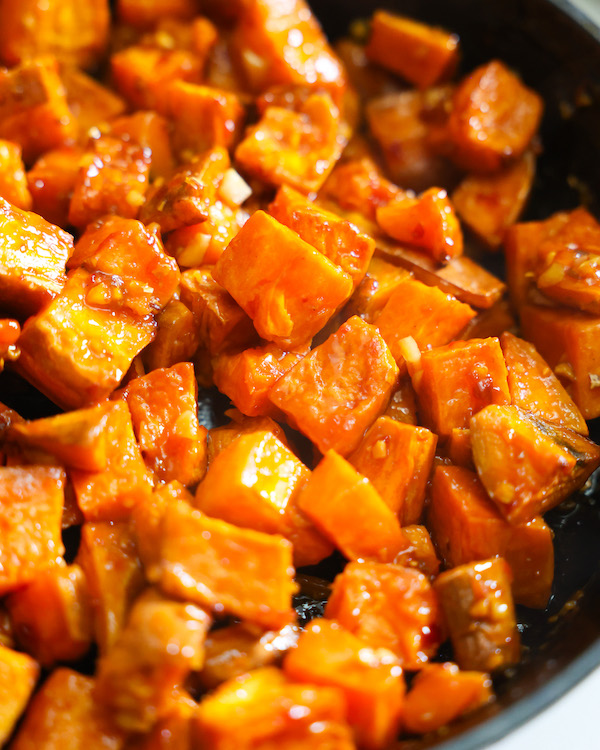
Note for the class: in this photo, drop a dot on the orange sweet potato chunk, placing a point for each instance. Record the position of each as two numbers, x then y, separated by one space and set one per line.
400 613
257 710
31 507
52 616
13 182
90 102
420 552
18 675
441 693
246 573
335 393
285 285
150 130
527 465
33 107
466 527
478 608
220 437
375 289
32 260
397 458
423 55
492 102
371 679
138 679
177 337
108 557
164 407
346 507
75 32
454 382
51 181
64 714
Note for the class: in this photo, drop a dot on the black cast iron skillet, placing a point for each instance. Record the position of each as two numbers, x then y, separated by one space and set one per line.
557 52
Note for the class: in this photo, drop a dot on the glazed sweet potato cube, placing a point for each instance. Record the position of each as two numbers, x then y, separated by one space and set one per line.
257 710
144 14
534 387
403 124
248 376
173 732
90 102
375 289
32 260
203 244
150 130
75 32
466 527
420 552
489 203
77 439
112 180
493 321
177 337
371 679
64 714
298 149
441 693
234 650
18 676
431 316
246 573
111 493
338 390
30 512
400 613
202 117
423 55
220 437
285 285
51 181
457 447
52 616
454 382
478 608
161 644
566 340
220 321
108 557
527 465
397 458
371 531
13 182
403 404
338 239
141 73
164 407
493 120
33 107
284 44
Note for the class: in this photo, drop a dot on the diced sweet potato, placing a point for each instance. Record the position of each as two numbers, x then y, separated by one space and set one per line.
32 260
161 644
403 404
489 203
91 103
493 120
441 693
285 285
375 289
371 679
420 552
33 107
466 527
336 238
164 407
298 149
51 181
149 130
397 458
64 714
431 316
423 55
335 393
112 180
108 557
30 514
173 732
454 382
240 648
240 571
457 447
493 321
177 337
263 709
18 675
13 182
478 608
371 531
75 32
388 606
52 616
220 437
527 465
